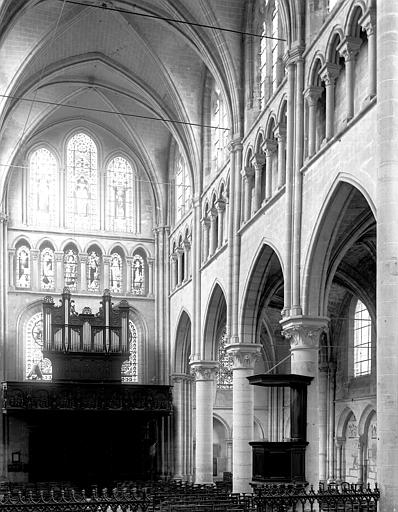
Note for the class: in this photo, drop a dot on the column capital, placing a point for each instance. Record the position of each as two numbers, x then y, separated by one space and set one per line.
106 259
173 257
220 205
312 95
59 255
35 253
213 214
179 251
270 146
244 355
247 172
349 47
329 72
294 55
280 131
129 260
11 252
368 21
186 244
303 331
150 261
258 161
181 377
235 144
83 257
204 370
206 222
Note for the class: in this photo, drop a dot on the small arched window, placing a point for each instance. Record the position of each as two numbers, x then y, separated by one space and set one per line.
36 366
22 278
47 269
138 275
82 183
362 337
130 367
43 193
71 267
218 121
182 188
94 269
116 273
224 373
119 176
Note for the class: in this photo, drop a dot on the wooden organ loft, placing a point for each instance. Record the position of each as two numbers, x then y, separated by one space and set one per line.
85 425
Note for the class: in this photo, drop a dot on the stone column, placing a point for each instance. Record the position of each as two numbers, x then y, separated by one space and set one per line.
150 262
129 275
303 333
368 22
182 425
213 231
270 146
323 421
328 73
220 205
83 271
187 259
106 260
312 95
11 269
340 441
349 49
35 272
280 134
258 162
205 373
59 278
244 356
180 255
387 254
248 175
173 271
205 234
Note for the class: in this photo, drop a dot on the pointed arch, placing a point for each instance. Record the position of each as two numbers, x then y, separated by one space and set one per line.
215 321
182 349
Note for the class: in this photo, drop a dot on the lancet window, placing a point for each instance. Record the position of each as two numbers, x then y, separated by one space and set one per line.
218 123
36 366
362 340
115 273
23 267
119 195
47 269
224 373
93 270
130 367
71 268
138 275
182 188
82 183
43 191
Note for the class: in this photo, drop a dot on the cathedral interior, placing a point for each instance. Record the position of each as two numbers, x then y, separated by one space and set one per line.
190 195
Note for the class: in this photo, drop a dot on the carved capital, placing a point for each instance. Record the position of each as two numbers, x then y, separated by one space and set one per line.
106 260
59 255
329 72
368 22
186 244
258 161
247 173
312 95
213 214
204 370
235 145
150 261
83 257
244 355
205 222
177 378
220 205
35 253
270 146
303 332
280 132
349 47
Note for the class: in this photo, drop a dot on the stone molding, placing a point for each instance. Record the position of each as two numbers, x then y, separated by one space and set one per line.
177 378
204 370
244 355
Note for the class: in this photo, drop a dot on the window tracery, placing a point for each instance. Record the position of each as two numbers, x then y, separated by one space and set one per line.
129 369
224 372
93 270
23 267
70 268
362 340
82 183
36 366
138 275
42 188
182 188
116 273
47 273
119 195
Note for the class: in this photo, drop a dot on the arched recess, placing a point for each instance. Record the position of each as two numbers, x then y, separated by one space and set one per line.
215 319
182 348
221 443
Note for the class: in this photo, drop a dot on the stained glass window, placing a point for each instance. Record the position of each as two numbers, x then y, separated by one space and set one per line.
362 340
93 270
43 193
36 367
263 65
116 273
119 195
23 267
71 268
182 188
82 183
224 373
129 367
275 44
47 265
138 275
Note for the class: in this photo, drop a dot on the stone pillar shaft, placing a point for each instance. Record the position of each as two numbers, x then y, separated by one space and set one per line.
213 231
349 49
221 218
281 137
368 22
244 358
329 72
83 271
59 278
312 95
180 255
206 228
258 163
248 177
106 260
35 274
150 278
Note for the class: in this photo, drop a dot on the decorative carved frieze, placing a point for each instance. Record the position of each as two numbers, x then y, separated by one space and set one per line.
244 355
204 370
